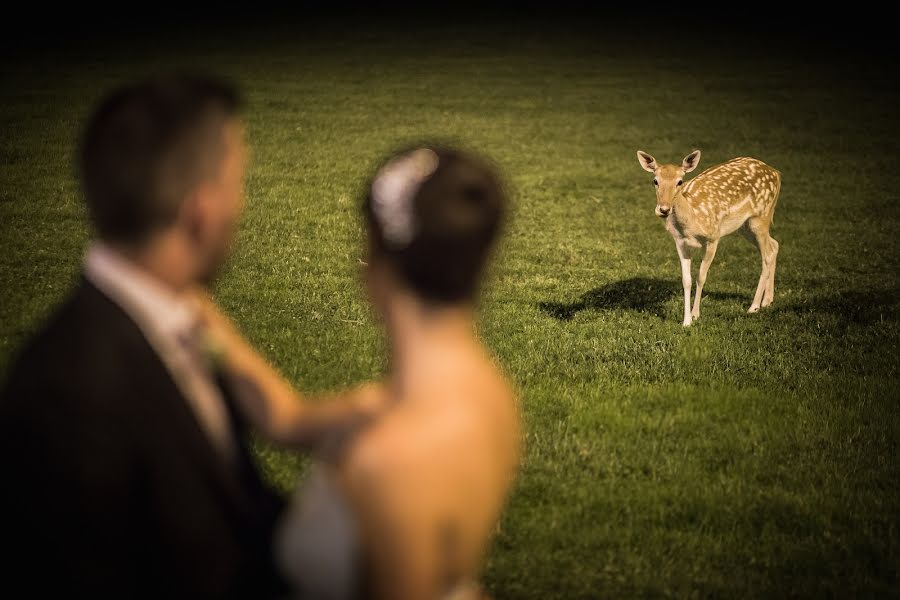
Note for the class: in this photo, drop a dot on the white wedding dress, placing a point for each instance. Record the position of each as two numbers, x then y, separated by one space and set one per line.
317 545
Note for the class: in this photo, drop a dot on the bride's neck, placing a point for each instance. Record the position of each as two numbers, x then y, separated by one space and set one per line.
424 337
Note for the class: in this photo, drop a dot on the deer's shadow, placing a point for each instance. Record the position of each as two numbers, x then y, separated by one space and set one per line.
649 295
641 294
862 307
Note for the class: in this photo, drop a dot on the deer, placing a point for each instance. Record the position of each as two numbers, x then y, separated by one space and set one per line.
739 194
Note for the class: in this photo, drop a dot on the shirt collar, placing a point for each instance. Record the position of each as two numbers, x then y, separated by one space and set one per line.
149 301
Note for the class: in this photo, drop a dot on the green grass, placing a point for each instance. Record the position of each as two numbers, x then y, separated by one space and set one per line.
750 455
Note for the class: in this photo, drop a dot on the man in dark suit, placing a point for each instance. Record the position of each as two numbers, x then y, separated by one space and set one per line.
125 466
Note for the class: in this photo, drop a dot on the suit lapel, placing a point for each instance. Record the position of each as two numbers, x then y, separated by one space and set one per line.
162 393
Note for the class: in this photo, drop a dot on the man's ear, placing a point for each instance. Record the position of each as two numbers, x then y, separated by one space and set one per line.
192 215
647 161
691 161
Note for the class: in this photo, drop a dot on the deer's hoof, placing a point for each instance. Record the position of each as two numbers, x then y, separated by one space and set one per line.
753 309
686 323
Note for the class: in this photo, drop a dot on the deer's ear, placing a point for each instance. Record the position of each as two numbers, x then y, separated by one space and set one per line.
647 161
691 161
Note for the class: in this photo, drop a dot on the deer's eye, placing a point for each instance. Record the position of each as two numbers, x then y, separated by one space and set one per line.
655 182
680 182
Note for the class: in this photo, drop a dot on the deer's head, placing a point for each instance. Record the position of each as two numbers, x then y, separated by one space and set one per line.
668 179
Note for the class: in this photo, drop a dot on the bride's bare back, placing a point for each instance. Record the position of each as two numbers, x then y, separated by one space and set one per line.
428 480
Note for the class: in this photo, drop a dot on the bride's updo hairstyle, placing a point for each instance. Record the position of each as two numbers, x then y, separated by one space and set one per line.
433 214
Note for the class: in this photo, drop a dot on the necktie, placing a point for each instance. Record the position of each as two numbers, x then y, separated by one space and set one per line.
208 397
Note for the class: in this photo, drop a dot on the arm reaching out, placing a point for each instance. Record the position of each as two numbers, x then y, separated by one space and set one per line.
270 402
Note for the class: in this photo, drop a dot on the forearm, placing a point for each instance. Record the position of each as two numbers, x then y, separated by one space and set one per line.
285 417
323 419
270 402
303 424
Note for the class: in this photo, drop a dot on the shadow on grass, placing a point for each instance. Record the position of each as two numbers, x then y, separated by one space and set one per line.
641 294
862 307
649 295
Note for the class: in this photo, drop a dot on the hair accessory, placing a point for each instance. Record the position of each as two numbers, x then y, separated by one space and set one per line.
393 190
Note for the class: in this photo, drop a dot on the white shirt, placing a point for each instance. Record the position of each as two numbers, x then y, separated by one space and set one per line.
162 316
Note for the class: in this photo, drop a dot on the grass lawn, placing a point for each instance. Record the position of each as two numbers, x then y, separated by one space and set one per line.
749 455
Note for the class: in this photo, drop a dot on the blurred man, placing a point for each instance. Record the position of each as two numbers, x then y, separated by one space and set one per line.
125 468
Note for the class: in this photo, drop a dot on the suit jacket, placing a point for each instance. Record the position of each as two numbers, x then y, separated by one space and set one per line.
110 485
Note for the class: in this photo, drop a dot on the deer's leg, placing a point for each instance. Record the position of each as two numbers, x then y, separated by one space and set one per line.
685 258
708 256
769 294
758 233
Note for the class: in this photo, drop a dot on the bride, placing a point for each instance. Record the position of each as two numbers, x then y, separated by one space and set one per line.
406 508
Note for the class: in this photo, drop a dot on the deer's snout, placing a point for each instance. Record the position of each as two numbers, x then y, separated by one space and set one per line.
663 211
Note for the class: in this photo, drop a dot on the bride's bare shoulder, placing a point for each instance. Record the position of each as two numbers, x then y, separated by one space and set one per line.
443 421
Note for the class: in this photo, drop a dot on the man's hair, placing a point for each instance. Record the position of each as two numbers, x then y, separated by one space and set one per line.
146 146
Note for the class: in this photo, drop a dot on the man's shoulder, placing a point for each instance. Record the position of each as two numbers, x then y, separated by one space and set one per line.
86 340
